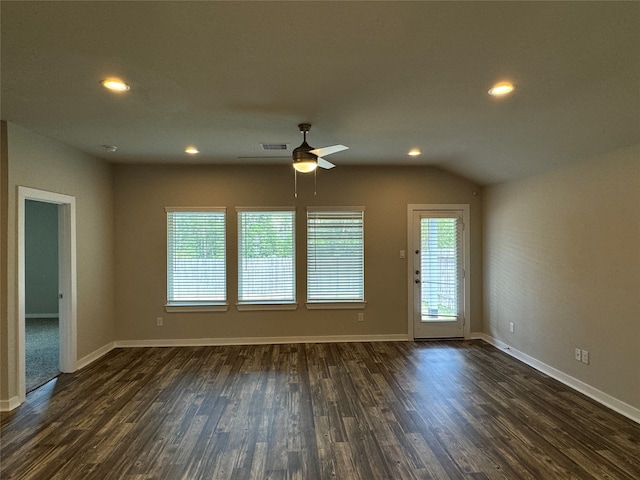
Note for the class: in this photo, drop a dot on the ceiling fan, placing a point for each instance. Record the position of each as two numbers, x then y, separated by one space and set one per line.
306 158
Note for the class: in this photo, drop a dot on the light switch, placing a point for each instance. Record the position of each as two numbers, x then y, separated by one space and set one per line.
403 254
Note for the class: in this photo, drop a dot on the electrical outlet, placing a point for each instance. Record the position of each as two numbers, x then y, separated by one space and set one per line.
361 317
512 327
159 322
585 356
577 354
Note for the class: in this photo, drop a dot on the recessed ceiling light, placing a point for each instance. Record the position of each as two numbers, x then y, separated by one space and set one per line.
115 84
191 150
501 89
414 152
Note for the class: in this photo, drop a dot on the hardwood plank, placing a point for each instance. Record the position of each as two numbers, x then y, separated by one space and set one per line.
388 410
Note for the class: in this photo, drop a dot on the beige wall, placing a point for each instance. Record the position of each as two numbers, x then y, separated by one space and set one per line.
41 258
562 261
142 192
38 162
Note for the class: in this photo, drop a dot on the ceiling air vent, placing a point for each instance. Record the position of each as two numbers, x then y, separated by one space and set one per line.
274 146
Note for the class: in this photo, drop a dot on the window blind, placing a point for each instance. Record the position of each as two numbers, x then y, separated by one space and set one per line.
441 265
196 256
266 256
335 255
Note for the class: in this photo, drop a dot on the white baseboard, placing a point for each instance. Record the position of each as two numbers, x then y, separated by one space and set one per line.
93 356
599 396
8 405
194 342
41 315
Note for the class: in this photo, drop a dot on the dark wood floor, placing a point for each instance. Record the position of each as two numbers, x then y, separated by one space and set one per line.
397 410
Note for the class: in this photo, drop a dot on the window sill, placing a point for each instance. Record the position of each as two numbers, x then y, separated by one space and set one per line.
248 307
193 307
336 305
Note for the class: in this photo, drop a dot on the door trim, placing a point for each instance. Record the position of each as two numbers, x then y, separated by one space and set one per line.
66 280
466 239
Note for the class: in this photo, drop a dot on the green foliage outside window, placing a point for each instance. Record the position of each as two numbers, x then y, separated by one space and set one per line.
445 232
193 236
267 235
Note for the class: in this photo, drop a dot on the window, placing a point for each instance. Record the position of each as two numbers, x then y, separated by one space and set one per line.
441 264
335 255
196 257
266 256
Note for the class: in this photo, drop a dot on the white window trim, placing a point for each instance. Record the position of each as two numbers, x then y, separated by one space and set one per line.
192 307
251 307
266 209
195 209
355 305
206 306
347 208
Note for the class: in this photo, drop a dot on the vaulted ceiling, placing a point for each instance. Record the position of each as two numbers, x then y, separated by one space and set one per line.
380 77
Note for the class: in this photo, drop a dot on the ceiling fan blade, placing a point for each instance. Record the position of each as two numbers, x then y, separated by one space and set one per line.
321 152
322 163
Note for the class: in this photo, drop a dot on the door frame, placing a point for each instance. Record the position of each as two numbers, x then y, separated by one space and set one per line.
466 244
67 284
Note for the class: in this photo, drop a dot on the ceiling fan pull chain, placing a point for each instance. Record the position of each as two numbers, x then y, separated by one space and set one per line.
315 182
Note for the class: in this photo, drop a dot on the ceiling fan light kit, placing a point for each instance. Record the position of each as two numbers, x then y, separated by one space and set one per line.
303 160
305 166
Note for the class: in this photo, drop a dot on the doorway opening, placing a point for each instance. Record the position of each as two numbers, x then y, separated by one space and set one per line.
42 329
66 280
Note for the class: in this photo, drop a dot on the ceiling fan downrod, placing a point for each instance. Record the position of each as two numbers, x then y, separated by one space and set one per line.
303 160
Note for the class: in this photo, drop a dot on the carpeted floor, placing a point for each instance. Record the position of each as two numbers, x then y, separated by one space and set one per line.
42 346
